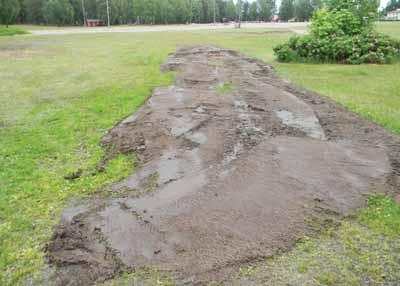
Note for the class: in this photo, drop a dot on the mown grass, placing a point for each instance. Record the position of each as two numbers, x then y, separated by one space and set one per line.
390 28
60 94
11 31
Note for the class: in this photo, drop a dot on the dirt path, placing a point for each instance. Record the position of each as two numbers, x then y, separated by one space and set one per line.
234 162
298 28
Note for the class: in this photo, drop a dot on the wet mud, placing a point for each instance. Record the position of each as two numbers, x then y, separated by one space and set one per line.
224 178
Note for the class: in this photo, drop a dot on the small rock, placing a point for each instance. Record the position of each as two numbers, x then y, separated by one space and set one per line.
200 109
141 148
256 108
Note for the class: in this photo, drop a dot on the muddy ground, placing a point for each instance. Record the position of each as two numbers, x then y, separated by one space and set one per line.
235 163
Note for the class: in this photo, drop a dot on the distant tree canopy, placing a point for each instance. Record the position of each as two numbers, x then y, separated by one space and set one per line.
299 10
392 5
9 10
73 12
286 10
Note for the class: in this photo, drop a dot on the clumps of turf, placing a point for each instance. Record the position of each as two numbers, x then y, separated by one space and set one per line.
11 31
364 250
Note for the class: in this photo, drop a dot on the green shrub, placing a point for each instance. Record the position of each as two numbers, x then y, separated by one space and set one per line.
364 10
368 47
341 34
336 23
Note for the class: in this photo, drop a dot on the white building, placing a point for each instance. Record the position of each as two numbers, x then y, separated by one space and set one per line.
393 15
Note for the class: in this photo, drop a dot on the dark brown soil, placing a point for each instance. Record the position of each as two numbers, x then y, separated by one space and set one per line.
225 178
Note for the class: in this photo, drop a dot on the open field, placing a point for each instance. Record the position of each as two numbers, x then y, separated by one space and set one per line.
41 30
60 94
390 28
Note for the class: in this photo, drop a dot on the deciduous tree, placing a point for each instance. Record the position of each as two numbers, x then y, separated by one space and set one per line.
231 10
303 10
267 9
286 10
59 12
9 10
253 13
34 11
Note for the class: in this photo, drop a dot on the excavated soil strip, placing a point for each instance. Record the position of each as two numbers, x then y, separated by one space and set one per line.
225 177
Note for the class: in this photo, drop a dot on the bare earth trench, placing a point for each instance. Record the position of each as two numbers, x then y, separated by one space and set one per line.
224 178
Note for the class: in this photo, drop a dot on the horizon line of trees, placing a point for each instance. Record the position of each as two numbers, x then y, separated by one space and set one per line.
392 5
298 10
73 12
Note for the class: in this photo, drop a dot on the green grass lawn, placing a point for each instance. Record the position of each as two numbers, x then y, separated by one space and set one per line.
11 31
60 94
390 28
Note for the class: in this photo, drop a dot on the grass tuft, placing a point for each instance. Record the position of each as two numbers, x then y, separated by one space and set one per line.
11 31
225 88
382 216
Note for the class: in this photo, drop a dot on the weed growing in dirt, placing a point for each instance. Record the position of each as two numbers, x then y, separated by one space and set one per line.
225 88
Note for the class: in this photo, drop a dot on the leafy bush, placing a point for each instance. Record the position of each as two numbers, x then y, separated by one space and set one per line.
341 34
369 47
364 10
338 23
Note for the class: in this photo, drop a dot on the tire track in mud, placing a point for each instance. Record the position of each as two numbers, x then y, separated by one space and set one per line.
225 178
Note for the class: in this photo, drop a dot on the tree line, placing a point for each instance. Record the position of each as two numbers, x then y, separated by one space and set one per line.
392 5
298 10
73 12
